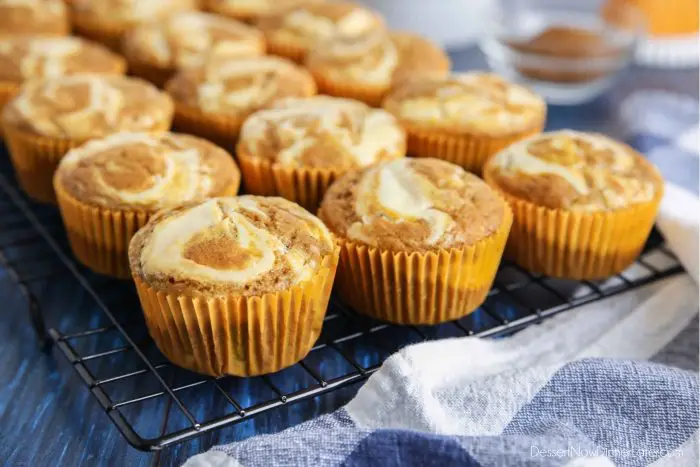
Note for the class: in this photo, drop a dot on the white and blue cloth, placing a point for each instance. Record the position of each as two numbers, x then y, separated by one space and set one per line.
577 390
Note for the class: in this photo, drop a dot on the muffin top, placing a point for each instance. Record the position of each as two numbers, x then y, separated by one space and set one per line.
308 24
574 171
147 171
467 103
26 57
248 245
322 131
130 12
377 58
413 205
84 106
240 86
253 9
190 38
47 17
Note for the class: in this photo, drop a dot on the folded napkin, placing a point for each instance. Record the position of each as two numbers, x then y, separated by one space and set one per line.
575 390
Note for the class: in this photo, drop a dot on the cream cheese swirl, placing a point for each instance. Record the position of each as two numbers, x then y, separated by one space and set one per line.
323 131
236 242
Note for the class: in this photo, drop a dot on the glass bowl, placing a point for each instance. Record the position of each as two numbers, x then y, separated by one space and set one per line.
568 51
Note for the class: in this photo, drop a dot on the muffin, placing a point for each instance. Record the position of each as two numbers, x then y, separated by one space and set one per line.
583 203
156 50
48 117
28 57
234 286
421 239
46 17
213 100
251 10
298 147
464 118
108 188
292 33
106 21
365 67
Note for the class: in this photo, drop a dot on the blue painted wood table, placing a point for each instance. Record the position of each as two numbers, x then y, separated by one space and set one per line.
48 418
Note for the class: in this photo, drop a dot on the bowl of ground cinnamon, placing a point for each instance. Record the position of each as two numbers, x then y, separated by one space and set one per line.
569 51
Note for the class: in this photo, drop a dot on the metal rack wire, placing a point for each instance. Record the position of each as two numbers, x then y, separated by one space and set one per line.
106 343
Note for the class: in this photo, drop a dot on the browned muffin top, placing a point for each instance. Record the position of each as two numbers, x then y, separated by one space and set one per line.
84 106
322 131
247 245
306 25
240 86
147 171
251 10
46 17
412 205
124 14
27 57
377 58
574 171
467 103
191 38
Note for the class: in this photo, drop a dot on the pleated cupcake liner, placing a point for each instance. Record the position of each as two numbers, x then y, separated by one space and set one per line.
239 335
8 90
99 236
420 287
302 185
370 95
220 129
470 151
35 158
577 245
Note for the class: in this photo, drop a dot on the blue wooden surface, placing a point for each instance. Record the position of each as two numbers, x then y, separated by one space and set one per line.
48 418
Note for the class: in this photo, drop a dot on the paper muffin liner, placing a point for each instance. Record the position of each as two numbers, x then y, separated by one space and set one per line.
109 35
420 287
303 185
469 151
7 92
370 95
99 236
235 334
577 245
36 157
220 129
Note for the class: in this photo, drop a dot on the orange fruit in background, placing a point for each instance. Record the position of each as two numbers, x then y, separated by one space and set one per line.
663 17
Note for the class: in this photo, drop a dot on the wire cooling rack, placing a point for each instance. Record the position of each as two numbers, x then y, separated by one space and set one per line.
104 338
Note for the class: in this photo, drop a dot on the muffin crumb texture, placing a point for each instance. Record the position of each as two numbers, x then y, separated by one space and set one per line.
246 245
575 171
148 172
413 204
45 17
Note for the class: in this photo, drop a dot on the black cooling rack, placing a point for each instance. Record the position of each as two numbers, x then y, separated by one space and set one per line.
105 340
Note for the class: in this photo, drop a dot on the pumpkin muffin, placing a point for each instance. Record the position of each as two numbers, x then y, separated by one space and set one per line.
29 57
106 21
583 203
48 117
108 188
46 17
251 10
464 118
291 34
156 50
298 147
213 100
365 67
234 286
421 239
